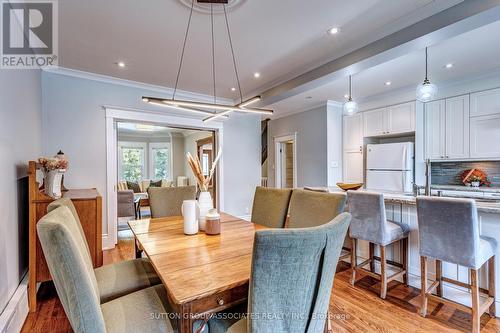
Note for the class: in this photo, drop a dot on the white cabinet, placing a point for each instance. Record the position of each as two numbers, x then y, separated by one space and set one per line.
485 103
353 132
485 136
353 149
396 119
447 128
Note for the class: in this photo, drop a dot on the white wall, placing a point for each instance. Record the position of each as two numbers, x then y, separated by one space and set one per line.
311 128
20 141
74 121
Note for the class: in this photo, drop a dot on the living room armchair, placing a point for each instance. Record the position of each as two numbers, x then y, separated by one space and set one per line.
126 206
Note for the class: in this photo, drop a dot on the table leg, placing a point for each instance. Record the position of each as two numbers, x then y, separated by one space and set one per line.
185 320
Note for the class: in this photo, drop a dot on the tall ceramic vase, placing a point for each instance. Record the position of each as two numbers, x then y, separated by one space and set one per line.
53 180
205 203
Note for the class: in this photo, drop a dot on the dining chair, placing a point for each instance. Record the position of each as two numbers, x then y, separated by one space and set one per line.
291 279
310 208
370 223
449 231
113 280
167 201
78 289
270 206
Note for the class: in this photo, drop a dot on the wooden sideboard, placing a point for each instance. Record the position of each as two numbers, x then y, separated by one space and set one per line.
88 204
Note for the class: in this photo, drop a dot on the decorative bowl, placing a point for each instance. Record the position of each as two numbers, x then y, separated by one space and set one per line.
351 186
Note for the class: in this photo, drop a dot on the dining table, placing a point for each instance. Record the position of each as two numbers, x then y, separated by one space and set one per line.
202 274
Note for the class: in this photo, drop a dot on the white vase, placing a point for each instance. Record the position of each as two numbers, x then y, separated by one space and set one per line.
53 180
190 212
205 203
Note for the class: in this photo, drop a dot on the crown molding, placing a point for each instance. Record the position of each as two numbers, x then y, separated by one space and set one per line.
182 94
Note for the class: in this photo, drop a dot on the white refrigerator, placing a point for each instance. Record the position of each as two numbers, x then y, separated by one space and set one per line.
389 167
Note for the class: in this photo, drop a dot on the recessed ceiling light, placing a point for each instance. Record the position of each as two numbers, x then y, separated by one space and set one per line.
450 65
388 83
256 75
233 89
346 96
333 31
121 64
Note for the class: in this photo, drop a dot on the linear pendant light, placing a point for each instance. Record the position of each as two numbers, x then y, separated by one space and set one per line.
350 107
426 91
210 109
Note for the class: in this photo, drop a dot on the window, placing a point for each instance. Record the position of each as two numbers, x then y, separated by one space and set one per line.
131 161
159 161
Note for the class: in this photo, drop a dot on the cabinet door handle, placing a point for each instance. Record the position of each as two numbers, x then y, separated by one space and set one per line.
361 148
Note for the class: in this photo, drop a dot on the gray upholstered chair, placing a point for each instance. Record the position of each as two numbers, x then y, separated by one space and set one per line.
449 231
292 274
167 201
78 288
310 208
270 206
126 207
113 280
369 223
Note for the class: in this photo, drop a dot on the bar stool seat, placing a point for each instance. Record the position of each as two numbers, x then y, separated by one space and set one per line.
449 231
369 223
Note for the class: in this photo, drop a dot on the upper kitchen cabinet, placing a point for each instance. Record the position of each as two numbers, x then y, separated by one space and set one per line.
447 128
353 132
485 136
392 120
485 103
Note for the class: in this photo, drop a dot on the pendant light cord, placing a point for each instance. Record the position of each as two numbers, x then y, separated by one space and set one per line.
213 49
426 64
232 53
350 88
183 49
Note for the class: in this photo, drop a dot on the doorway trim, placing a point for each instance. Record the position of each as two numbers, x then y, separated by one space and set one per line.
115 114
278 140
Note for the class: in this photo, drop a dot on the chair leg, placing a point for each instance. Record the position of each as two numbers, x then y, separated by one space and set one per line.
372 253
423 286
138 251
439 275
476 315
491 285
353 260
404 259
383 273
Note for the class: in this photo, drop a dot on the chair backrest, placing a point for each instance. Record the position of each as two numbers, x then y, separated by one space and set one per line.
449 230
125 203
65 202
369 221
310 208
74 279
292 276
167 201
270 206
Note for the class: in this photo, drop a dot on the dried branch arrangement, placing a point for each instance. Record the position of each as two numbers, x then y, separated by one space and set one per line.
195 165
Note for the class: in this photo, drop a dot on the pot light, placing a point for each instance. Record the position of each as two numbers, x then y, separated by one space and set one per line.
256 75
388 83
333 31
346 96
233 89
450 65
121 64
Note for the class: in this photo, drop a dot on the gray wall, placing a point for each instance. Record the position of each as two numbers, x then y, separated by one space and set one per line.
74 121
20 141
311 128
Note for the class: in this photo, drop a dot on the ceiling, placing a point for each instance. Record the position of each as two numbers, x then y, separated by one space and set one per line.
473 53
147 35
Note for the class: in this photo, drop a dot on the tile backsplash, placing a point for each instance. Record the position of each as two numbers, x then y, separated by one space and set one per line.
448 173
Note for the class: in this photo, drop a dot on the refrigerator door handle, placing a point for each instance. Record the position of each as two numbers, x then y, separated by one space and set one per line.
405 152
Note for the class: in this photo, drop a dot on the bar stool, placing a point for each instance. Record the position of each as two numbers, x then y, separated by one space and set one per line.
369 223
449 231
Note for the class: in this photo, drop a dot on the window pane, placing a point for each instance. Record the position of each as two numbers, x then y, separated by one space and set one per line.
132 163
161 163
204 164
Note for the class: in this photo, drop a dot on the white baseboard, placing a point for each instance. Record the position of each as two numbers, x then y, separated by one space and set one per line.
107 243
16 311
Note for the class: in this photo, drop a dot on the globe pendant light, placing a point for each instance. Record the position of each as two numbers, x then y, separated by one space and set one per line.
426 91
350 107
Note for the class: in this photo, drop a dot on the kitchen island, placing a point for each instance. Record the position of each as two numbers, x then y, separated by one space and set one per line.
402 208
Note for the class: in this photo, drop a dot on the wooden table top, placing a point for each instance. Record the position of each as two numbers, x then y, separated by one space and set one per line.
192 267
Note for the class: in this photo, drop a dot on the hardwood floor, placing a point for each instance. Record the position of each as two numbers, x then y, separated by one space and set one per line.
353 309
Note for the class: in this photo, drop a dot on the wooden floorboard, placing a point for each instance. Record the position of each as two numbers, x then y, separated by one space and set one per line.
353 309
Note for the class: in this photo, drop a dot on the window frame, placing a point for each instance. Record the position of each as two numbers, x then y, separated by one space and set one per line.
131 145
159 145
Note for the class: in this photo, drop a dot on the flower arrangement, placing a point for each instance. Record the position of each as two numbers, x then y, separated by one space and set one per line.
195 165
53 163
475 176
